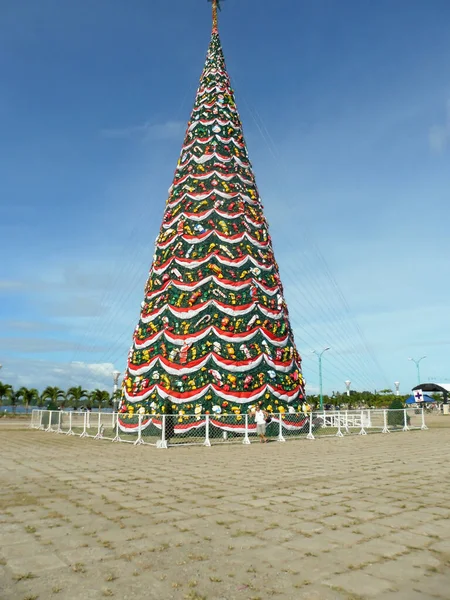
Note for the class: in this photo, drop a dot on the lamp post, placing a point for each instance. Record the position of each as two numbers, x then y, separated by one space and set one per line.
319 355
417 363
397 388
116 375
347 385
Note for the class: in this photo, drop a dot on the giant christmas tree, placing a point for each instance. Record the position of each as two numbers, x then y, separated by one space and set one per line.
214 335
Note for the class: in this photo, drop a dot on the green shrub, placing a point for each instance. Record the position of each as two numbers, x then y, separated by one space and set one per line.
397 418
46 415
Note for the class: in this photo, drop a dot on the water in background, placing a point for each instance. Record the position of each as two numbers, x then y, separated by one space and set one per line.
21 410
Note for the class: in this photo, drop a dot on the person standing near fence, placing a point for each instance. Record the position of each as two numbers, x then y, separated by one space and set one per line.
169 421
260 420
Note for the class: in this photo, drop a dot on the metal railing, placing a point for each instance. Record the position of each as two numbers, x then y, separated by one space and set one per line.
163 431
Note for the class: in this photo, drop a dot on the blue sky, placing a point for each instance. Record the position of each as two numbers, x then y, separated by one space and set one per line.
346 112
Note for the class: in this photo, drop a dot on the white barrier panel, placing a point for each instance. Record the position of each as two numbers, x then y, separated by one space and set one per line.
163 431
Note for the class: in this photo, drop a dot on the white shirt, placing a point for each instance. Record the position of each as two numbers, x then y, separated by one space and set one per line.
259 417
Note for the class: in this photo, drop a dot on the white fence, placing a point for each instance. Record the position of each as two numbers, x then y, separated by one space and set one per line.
163 431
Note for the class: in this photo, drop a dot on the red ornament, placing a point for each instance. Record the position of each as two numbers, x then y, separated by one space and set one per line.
194 297
247 381
184 353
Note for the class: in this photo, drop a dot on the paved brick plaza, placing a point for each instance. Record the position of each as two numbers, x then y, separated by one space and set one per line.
359 517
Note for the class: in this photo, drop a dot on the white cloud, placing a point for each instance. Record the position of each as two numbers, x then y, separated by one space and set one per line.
439 135
76 306
148 131
42 345
22 325
10 286
41 373
311 390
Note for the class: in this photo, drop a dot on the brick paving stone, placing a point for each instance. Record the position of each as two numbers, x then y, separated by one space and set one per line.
349 559
371 529
387 509
318 592
35 563
407 518
381 547
433 529
275 535
441 546
361 515
360 584
412 567
408 538
343 537
312 544
336 521
407 594
436 585
309 527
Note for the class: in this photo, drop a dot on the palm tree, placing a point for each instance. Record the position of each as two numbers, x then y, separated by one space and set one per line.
115 400
5 391
14 399
28 396
75 395
52 394
99 398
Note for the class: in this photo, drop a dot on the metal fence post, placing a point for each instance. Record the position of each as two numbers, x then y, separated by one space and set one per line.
363 431
99 425
139 440
423 419
59 430
246 439
40 420
162 443
84 434
405 420
385 425
207 442
310 435
116 438
50 417
346 422
280 437
339 432
70 432
100 428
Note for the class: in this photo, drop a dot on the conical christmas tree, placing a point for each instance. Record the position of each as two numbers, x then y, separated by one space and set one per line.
214 335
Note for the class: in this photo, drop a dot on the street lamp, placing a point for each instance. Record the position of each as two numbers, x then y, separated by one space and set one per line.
347 385
319 354
116 375
397 388
417 363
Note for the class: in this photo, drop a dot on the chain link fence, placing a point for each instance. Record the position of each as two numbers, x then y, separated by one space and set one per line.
163 431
